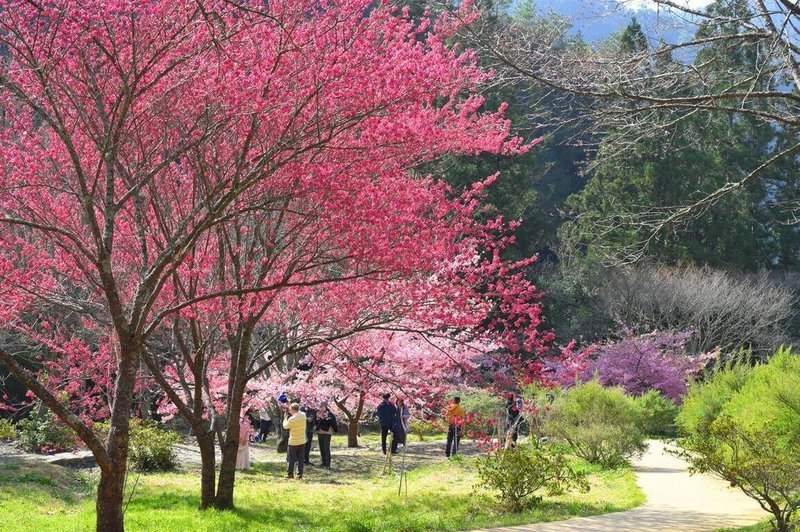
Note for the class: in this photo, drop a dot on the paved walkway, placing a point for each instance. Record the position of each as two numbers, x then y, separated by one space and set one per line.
676 501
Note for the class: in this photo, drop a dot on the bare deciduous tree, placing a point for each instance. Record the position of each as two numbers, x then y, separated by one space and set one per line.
724 311
626 94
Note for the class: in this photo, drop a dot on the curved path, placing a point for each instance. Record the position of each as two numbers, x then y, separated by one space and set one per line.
676 501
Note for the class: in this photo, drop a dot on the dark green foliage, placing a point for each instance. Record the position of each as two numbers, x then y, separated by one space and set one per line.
743 424
524 474
602 425
658 414
41 432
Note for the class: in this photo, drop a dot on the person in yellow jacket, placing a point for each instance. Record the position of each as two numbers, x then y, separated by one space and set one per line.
296 425
454 417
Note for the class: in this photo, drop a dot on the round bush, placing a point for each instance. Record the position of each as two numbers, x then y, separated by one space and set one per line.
523 474
658 413
602 425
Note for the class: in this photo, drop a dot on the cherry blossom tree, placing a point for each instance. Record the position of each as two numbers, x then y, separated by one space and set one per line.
136 135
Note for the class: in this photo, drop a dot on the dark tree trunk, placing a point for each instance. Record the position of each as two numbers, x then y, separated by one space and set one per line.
112 477
352 432
227 470
109 502
240 346
205 441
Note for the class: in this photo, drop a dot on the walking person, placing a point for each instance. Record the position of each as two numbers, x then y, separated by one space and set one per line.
311 425
295 423
401 421
243 452
387 413
326 427
454 417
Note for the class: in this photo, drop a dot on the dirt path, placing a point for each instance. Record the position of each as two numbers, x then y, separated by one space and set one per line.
676 501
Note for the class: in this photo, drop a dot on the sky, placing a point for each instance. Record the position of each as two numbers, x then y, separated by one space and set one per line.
694 4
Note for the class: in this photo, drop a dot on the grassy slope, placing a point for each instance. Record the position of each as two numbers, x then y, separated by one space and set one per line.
355 498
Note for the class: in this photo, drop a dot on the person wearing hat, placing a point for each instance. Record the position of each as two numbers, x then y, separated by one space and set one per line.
326 427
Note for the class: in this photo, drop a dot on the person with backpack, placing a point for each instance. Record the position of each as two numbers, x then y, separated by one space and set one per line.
387 413
326 427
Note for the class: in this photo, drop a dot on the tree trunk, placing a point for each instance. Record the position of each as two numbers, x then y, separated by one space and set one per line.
109 502
352 432
227 470
208 466
112 477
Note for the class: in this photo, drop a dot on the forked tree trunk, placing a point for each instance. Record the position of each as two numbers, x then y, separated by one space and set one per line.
227 470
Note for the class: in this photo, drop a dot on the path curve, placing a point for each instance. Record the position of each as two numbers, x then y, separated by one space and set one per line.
676 501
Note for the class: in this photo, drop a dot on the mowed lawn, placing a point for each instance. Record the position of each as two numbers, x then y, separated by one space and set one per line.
357 496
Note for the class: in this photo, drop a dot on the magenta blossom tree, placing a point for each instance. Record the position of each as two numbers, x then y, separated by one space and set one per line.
655 361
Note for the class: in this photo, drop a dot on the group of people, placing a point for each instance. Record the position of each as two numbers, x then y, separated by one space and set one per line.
393 418
301 423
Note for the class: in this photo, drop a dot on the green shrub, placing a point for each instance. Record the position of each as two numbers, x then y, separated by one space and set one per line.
7 430
422 428
602 425
523 474
41 432
658 413
743 424
151 447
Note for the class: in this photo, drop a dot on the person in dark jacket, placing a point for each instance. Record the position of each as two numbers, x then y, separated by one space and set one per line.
387 414
513 421
326 427
311 423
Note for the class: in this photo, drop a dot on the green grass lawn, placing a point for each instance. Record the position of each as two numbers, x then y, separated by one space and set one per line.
355 497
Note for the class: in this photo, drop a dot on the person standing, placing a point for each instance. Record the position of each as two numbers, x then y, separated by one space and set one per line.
295 423
311 424
243 452
387 413
326 427
401 421
454 417
283 439
264 424
513 421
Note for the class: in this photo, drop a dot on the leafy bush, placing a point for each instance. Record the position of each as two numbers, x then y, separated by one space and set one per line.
481 408
658 414
422 428
602 425
151 447
41 432
7 430
522 474
743 424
